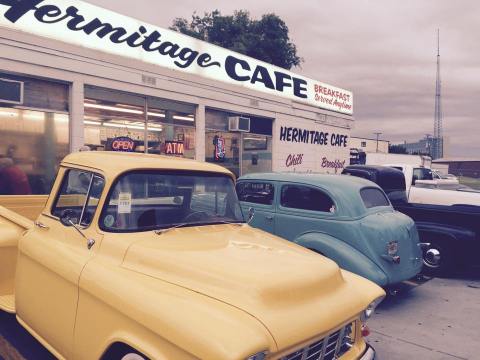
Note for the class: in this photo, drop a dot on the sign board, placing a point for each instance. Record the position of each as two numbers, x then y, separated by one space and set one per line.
80 23
310 147
174 147
121 143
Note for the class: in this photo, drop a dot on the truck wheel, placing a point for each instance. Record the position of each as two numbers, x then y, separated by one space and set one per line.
121 351
438 258
132 356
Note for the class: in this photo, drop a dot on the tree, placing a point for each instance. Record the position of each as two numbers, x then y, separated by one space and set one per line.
266 39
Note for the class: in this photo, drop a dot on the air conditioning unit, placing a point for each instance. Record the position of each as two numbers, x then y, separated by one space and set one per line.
11 91
239 123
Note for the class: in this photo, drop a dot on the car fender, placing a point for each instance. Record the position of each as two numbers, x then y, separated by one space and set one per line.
346 256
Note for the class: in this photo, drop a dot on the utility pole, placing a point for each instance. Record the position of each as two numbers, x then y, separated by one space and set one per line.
377 134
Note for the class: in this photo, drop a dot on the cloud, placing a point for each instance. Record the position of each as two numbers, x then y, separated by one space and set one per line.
383 50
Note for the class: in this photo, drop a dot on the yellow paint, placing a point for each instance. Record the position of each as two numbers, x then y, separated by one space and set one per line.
210 292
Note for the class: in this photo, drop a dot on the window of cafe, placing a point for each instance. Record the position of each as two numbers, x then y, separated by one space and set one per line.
115 120
34 133
240 152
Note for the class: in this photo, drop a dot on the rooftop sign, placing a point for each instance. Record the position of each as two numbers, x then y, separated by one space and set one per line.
83 24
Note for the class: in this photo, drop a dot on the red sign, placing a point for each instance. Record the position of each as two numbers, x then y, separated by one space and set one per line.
123 143
174 148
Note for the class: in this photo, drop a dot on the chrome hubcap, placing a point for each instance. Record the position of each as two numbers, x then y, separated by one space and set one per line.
432 258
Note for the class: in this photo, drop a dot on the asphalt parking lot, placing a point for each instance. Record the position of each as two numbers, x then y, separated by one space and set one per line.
428 319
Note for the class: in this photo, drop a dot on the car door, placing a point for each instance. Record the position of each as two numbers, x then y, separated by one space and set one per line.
52 257
302 208
259 195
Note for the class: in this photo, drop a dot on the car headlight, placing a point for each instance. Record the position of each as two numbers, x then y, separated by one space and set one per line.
368 312
258 356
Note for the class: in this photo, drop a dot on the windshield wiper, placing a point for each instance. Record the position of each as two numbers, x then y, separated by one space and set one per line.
217 222
164 230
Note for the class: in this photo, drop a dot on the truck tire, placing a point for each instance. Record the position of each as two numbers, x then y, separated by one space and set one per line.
120 351
438 258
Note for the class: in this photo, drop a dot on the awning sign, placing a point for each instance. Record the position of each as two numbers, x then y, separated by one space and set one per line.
80 23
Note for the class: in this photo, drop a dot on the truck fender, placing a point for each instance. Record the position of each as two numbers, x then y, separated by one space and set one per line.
344 255
446 231
459 242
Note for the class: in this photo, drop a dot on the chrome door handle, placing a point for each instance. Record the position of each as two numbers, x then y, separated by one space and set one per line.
41 225
269 217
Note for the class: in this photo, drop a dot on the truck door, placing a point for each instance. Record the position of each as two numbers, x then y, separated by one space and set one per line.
260 196
52 257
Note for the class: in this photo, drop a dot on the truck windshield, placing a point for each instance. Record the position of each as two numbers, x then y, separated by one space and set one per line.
151 200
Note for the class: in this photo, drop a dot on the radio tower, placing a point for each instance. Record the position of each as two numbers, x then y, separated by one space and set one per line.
437 151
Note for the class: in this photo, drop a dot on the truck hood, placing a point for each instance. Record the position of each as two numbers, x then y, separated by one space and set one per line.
295 293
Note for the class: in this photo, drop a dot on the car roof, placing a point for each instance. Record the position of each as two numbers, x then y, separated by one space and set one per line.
114 163
324 180
344 189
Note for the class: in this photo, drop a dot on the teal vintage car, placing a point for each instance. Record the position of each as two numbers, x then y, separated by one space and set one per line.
347 219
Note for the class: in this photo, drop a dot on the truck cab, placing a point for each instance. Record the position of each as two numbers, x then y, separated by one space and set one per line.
148 257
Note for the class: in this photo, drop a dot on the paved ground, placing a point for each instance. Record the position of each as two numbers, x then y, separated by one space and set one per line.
437 320
429 319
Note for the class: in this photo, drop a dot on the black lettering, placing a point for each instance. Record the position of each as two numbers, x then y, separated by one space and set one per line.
317 138
283 133
132 39
19 8
303 136
261 75
294 135
49 11
312 134
299 88
168 48
280 80
188 56
325 139
150 40
332 140
204 61
117 34
231 65
289 134
345 142
76 20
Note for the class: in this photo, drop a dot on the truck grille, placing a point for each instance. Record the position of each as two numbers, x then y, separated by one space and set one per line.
328 348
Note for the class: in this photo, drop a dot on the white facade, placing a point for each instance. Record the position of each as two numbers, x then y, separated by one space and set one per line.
80 64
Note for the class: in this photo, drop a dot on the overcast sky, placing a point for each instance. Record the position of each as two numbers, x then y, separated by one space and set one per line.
382 50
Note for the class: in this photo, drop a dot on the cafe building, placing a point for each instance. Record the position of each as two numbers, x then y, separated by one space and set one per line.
74 76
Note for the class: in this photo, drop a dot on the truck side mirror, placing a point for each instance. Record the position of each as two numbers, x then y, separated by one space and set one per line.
66 217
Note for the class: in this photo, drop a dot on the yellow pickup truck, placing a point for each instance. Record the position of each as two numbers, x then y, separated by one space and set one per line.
148 257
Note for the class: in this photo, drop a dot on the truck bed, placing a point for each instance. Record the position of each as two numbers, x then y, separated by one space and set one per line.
29 206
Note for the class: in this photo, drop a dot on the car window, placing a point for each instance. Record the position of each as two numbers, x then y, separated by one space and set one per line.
80 192
421 174
306 198
256 192
149 200
373 197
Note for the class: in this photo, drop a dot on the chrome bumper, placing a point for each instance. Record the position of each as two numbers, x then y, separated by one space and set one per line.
369 354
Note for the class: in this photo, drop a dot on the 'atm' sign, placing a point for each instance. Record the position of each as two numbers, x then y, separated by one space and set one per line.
174 147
